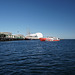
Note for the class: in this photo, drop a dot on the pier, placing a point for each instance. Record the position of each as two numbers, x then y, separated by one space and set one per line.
11 39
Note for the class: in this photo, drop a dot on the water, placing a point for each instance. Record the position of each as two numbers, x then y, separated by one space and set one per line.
33 57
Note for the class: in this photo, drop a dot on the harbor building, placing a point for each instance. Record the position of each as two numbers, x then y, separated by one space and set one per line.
9 35
19 36
5 34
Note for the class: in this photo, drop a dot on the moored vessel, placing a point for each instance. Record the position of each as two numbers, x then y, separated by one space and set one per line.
35 36
50 39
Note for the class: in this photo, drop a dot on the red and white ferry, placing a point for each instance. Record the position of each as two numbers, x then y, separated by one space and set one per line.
50 39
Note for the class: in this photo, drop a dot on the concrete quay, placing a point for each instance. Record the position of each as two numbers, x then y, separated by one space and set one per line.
11 39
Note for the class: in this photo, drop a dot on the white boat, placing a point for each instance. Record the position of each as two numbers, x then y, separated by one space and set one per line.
34 36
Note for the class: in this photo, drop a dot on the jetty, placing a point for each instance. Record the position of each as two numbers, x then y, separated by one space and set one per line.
7 36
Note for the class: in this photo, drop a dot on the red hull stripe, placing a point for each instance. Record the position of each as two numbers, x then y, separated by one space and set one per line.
47 39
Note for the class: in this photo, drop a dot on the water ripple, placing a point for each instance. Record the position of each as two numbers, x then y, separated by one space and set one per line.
33 57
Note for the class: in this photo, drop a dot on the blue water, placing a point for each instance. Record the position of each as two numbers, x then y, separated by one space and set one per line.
34 57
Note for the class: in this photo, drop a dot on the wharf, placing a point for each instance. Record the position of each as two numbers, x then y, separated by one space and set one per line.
10 39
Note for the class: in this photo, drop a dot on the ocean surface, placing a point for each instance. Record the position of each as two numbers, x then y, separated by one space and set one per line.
35 57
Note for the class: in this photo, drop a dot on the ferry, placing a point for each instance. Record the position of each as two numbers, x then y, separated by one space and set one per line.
35 36
50 39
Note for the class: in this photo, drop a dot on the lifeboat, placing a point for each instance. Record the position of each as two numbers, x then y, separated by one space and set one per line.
50 39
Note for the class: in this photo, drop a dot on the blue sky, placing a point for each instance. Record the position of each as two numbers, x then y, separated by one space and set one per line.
50 17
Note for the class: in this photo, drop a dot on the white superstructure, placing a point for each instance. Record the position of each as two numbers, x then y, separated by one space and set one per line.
34 36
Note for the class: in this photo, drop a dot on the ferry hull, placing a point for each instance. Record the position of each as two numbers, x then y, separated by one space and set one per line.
48 39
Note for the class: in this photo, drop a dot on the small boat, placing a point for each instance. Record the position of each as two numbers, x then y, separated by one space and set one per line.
50 39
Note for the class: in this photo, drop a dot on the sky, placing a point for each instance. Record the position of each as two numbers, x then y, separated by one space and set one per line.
50 17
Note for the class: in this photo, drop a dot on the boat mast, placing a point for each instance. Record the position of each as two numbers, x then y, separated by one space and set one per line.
28 32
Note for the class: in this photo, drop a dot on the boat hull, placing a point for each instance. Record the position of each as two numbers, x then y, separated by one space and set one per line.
48 39
31 38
